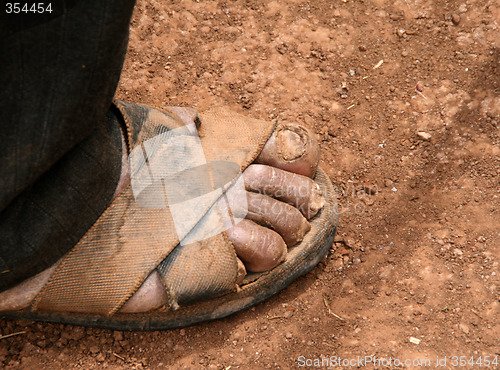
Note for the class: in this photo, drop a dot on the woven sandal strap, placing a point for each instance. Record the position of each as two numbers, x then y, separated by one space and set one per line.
112 260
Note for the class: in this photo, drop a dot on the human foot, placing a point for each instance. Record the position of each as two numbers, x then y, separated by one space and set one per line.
290 148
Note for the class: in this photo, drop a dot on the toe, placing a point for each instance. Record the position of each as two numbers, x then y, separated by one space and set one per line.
286 220
293 148
299 191
259 248
149 296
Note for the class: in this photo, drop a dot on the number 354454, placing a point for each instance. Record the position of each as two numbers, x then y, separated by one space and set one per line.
26 8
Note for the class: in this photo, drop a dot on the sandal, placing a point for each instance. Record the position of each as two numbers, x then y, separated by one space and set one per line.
131 239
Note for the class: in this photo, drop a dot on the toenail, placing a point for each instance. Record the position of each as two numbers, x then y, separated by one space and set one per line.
292 143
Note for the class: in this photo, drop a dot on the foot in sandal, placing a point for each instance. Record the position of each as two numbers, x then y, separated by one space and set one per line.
281 203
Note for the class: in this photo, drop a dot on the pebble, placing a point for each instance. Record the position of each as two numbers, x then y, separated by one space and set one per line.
118 335
288 335
93 349
100 357
455 18
414 340
370 189
424 135
368 201
362 48
29 349
178 348
464 328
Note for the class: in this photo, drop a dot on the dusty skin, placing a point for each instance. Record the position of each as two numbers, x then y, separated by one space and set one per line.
417 249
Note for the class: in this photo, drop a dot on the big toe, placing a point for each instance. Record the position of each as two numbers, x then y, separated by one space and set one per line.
292 147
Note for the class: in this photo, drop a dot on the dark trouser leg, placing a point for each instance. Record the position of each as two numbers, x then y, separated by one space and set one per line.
60 152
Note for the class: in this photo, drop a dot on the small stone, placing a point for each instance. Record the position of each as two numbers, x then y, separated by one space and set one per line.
100 357
424 135
29 349
118 335
362 48
288 335
75 333
368 201
458 252
178 348
331 131
182 332
455 18
394 17
464 328
94 349
61 342
404 53
370 189
414 340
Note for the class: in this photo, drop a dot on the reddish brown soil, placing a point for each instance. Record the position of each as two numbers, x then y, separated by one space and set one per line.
418 242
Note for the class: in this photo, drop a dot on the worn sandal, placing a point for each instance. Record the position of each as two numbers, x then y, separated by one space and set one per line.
131 239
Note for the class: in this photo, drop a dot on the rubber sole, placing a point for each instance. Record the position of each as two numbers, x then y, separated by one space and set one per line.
301 259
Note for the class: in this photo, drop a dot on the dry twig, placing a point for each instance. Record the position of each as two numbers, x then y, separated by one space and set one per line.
329 309
118 356
12 334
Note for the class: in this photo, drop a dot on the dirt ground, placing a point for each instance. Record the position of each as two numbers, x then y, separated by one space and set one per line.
405 98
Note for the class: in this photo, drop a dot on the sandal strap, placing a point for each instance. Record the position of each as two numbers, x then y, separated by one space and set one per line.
128 241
